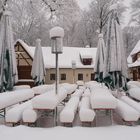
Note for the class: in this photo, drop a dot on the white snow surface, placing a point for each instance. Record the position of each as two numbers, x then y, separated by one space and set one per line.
69 87
19 87
116 132
127 112
14 115
102 99
68 113
136 83
131 102
85 54
135 64
135 93
14 97
78 93
49 100
86 114
136 48
65 59
86 93
56 32
29 115
42 88
80 83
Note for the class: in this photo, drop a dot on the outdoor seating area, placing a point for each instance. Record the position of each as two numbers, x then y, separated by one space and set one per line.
83 107
10 98
14 115
69 69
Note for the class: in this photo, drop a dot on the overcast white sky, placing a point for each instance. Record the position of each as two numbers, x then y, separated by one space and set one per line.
84 4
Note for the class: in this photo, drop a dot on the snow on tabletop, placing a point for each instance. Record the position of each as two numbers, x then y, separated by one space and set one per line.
126 111
131 102
87 84
137 83
102 98
129 86
21 87
116 132
49 100
14 97
43 88
15 114
135 93
69 87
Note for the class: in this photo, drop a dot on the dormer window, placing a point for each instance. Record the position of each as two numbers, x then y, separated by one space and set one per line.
86 58
87 61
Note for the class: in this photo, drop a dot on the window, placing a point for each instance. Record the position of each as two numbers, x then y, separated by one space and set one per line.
92 76
52 76
63 76
80 76
87 61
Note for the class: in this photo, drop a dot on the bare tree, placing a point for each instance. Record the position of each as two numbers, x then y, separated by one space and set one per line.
33 18
94 20
135 14
131 37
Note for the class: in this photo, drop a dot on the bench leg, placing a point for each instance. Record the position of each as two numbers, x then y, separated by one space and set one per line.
3 111
15 124
32 124
55 117
111 116
96 117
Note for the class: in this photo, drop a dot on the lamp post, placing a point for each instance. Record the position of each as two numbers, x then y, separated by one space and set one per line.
73 63
56 35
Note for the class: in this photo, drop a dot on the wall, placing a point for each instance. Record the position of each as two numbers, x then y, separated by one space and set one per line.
71 75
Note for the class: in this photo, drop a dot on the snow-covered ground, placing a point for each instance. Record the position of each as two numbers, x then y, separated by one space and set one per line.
116 132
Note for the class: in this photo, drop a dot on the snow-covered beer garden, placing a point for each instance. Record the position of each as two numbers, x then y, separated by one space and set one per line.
69 69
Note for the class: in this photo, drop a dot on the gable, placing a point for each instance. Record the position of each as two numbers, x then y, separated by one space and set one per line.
22 56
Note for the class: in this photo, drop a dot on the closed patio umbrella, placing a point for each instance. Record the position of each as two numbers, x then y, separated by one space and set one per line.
99 63
8 66
38 69
115 73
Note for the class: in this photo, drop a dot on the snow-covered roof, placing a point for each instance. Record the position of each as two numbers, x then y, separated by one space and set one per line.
65 59
134 51
135 64
136 48
86 54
